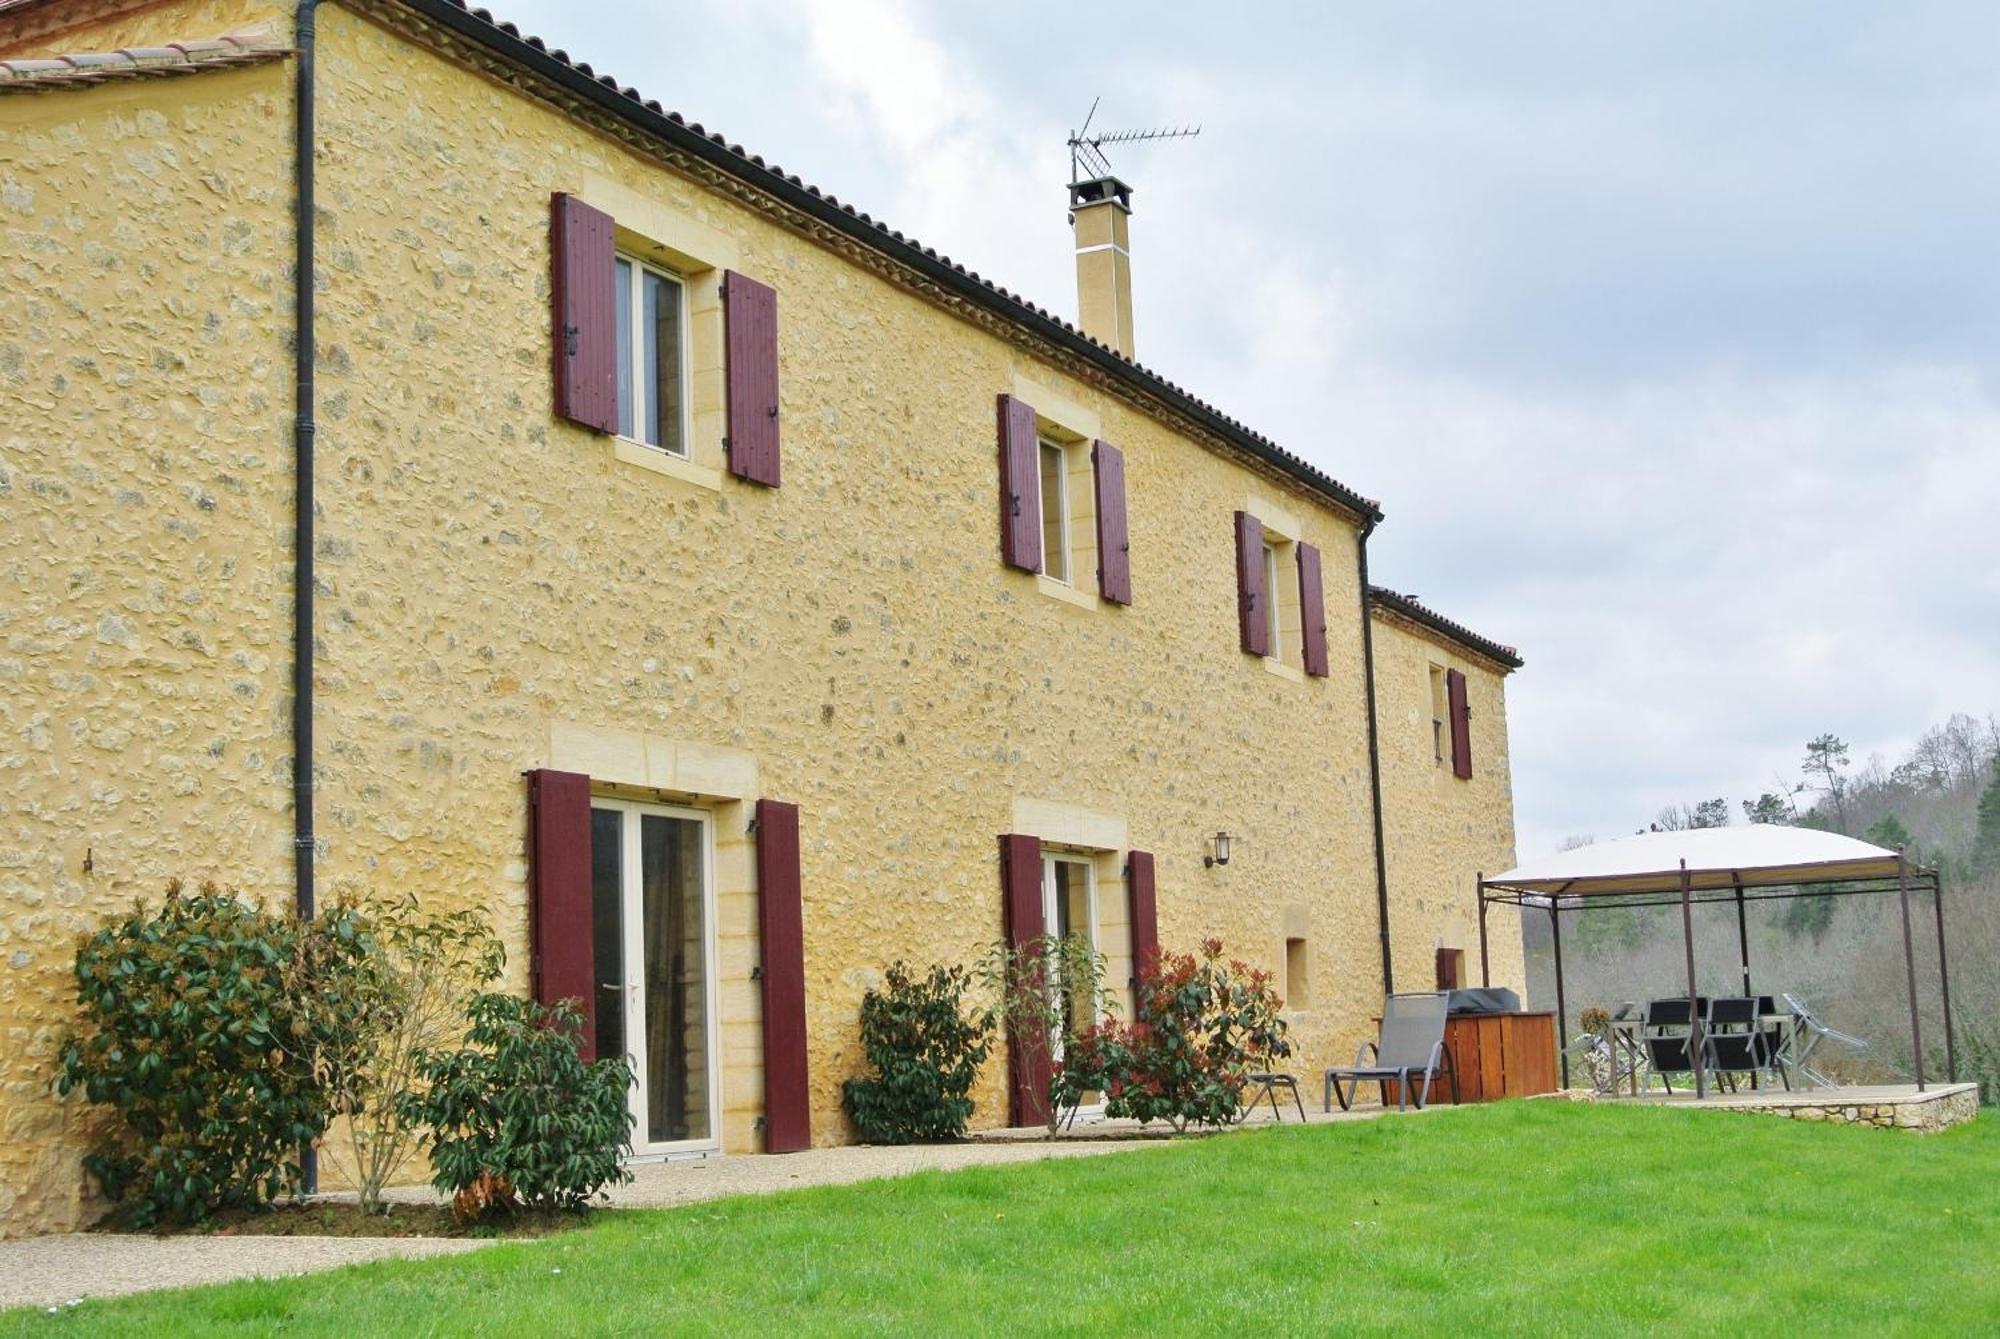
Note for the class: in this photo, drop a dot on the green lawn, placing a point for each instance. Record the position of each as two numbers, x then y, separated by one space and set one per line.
1533 1217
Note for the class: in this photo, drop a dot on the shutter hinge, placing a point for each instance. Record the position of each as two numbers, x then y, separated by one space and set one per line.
1015 500
569 340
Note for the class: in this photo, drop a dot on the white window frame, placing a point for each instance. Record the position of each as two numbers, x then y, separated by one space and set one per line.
1051 899
1274 622
635 341
1043 445
1440 712
632 937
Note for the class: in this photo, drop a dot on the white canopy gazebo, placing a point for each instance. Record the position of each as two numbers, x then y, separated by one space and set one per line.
1706 865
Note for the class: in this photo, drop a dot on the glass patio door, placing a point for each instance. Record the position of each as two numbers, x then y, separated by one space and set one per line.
652 895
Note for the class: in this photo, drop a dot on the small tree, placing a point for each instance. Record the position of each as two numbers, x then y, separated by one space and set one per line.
191 1030
1045 992
925 1049
1985 858
1204 1026
1770 807
369 1039
516 1114
1888 830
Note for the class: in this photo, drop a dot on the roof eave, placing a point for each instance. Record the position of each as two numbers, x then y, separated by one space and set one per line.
1506 657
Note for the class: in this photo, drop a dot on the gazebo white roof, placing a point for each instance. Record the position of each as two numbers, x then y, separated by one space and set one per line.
1762 855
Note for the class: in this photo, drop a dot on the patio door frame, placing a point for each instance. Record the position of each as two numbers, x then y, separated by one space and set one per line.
1051 899
632 945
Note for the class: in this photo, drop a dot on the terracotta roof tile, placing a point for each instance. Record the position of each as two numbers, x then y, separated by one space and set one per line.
248 46
1409 607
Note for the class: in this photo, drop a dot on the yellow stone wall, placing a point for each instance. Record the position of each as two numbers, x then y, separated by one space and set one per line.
145 503
1439 832
500 590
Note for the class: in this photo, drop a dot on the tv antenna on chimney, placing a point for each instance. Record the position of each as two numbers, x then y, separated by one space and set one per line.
1086 151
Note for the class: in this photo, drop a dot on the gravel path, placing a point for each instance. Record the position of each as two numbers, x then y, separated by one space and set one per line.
49 1271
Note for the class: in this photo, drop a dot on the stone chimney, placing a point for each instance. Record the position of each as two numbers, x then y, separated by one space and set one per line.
1101 211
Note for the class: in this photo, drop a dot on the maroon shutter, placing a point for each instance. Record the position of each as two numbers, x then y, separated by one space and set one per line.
1250 593
781 953
1114 540
1312 610
1461 724
564 965
1141 900
1448 960
1020 487
750 338
1029 1065
586 321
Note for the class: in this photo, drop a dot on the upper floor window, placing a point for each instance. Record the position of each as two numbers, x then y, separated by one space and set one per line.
652 355
1056 521
1274 619
1440 720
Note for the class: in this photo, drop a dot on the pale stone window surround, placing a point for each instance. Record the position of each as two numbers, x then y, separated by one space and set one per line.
1102 839
661 233
1295 928
1064 424
1440 715
629 764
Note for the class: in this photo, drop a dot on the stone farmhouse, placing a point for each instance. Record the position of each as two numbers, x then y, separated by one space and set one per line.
726 593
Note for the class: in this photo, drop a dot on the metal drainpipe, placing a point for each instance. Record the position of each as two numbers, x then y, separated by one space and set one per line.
303 430
1374 762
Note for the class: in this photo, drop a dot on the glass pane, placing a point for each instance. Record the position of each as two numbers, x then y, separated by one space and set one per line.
1072 898
622 300
672 908
1055 500
1271 599
662 321
607 927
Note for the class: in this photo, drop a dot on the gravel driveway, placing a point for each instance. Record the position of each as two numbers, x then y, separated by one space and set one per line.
49 1271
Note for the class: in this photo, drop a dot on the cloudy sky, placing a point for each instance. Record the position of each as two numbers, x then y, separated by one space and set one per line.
1666 334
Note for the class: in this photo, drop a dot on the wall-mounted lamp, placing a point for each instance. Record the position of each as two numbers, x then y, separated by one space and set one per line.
1218 851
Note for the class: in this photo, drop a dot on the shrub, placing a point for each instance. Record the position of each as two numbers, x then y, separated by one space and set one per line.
1203 1027
926 1051
1092 1061
407 999
1046 991
517 1114
191 1033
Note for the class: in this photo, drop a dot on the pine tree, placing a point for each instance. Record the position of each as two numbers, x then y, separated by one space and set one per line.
1888 830
1986 843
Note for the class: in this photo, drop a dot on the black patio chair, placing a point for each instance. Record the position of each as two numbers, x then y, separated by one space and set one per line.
1667 1030
1735 1041
1412 1044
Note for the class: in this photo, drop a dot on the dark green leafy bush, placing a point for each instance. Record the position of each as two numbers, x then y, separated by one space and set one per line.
189 1032
518 1107
926 1052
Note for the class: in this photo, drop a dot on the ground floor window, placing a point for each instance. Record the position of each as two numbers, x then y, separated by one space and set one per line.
1069 907
653 918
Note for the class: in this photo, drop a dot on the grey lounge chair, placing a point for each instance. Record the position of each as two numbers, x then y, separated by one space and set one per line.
1412 1044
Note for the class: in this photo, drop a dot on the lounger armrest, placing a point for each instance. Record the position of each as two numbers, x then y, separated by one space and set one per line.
1361 1054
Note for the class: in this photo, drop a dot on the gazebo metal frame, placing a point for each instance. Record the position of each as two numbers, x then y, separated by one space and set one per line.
1740 888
